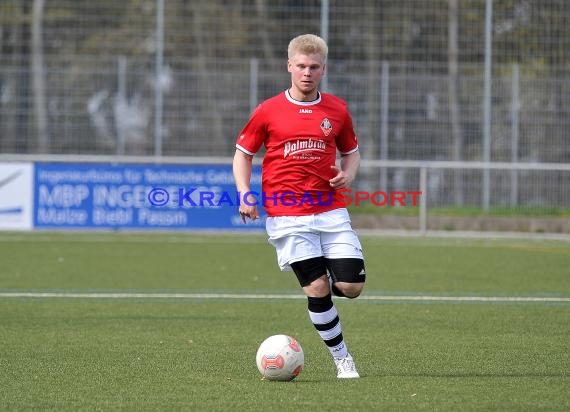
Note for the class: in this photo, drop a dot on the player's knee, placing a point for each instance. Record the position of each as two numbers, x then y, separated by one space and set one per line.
317 288
350 290
348 276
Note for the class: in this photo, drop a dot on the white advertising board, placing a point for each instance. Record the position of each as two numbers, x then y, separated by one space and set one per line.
16 196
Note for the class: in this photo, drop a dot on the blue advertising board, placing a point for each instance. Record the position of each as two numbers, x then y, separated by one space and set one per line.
141 196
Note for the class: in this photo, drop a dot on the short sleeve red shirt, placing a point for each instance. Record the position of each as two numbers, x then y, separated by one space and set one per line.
301 141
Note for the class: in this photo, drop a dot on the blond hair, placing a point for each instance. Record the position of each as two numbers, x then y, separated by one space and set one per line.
308 44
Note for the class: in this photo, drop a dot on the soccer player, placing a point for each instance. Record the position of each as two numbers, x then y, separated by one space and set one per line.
302 129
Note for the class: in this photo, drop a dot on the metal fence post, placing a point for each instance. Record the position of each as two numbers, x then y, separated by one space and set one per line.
253 82
120 101
423 200
325 36
158 97
487 104
515 108
384 119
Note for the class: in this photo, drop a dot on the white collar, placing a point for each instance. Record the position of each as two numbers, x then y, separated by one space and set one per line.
301 103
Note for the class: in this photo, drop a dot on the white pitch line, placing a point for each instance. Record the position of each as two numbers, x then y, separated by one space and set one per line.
248 296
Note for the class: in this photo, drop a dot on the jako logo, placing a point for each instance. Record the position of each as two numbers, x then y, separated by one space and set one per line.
303 146
305 111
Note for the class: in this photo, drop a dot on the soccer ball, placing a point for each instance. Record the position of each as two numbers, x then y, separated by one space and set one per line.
280 358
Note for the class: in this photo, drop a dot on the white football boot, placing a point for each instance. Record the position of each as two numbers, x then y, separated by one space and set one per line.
346 369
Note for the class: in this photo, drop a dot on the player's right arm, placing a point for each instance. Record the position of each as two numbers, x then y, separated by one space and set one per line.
242 167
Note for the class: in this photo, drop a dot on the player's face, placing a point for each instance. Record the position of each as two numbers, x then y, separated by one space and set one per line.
306 73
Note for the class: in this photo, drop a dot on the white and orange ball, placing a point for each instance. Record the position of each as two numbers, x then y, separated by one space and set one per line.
280 358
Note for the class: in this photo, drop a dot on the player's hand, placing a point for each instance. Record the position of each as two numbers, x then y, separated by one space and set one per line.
246 211
341 179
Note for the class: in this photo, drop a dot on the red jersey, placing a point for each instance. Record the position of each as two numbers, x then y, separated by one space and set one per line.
301 141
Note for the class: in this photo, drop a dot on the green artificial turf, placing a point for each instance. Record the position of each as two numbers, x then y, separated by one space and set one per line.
140 351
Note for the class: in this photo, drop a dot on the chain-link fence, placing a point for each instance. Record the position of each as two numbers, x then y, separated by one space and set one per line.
180 77
437 80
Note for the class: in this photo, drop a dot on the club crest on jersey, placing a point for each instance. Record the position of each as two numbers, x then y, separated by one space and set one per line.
326 126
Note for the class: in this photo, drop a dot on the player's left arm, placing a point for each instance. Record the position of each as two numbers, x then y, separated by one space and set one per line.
346 174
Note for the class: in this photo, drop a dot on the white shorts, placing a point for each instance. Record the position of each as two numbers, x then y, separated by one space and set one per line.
327 234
